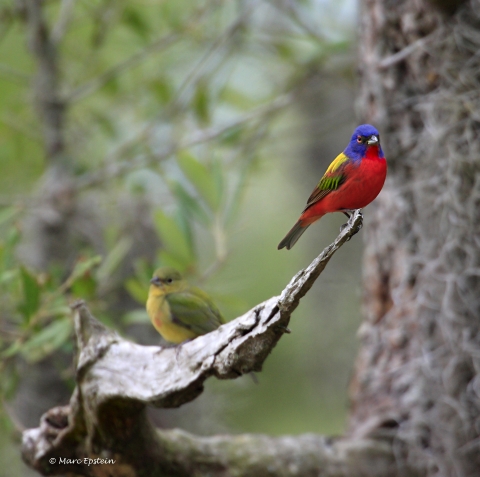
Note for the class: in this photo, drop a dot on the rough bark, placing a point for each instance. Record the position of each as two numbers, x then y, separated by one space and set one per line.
116 379
417 375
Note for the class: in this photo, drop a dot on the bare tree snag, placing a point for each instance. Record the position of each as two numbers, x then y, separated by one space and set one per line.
417 375
116 379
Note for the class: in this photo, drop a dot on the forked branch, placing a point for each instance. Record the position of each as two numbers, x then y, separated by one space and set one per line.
117 379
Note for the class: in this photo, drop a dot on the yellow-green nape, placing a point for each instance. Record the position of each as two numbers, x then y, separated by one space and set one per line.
165 273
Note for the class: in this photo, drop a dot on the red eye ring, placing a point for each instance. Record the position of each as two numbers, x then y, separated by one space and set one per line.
359 139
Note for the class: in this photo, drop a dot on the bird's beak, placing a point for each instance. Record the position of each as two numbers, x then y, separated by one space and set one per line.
372 140
156 281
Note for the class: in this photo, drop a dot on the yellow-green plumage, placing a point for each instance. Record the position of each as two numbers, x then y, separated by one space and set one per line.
177 311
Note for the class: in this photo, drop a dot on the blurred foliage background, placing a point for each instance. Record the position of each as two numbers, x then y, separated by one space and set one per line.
139 134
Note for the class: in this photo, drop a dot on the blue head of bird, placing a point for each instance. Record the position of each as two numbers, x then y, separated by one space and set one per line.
364 137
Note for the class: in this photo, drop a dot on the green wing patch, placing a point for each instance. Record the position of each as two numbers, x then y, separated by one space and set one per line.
193 312
330 183
331 180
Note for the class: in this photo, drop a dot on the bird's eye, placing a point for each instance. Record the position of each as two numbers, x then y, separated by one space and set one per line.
359 139
169 280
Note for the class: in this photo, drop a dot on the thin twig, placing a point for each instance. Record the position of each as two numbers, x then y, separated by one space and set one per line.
291 12
22 128
156 46
96 83
117 169
407 51
228 33
14 75
142 135
64 18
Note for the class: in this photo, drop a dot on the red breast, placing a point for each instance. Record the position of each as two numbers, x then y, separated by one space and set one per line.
364 181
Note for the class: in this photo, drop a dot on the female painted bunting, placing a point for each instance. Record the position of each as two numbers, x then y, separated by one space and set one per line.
177 311
352 181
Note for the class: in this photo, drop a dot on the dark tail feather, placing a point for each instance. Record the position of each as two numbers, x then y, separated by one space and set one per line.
291 238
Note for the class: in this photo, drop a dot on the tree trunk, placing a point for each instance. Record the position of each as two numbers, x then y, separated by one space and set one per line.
417 375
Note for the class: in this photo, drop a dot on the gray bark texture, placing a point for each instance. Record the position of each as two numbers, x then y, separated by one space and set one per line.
417 376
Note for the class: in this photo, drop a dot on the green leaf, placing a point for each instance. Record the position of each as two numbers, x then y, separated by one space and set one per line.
47 340
201 178
9 382
183 219
8 276
162 89
59 310
284 50
105 123
172 14
138 291
84 287
136 22
7 249
113 259
31 294
112 86
189 203
84 266
170 260
12 350
235 98
175 240
201 103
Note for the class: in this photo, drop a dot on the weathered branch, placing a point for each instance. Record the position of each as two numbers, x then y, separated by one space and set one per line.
116 379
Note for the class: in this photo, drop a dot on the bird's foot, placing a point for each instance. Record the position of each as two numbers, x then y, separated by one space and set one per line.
348 212
342 228
177 350
164 345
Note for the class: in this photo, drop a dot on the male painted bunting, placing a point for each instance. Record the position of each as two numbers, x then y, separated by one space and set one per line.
352 181
177 311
